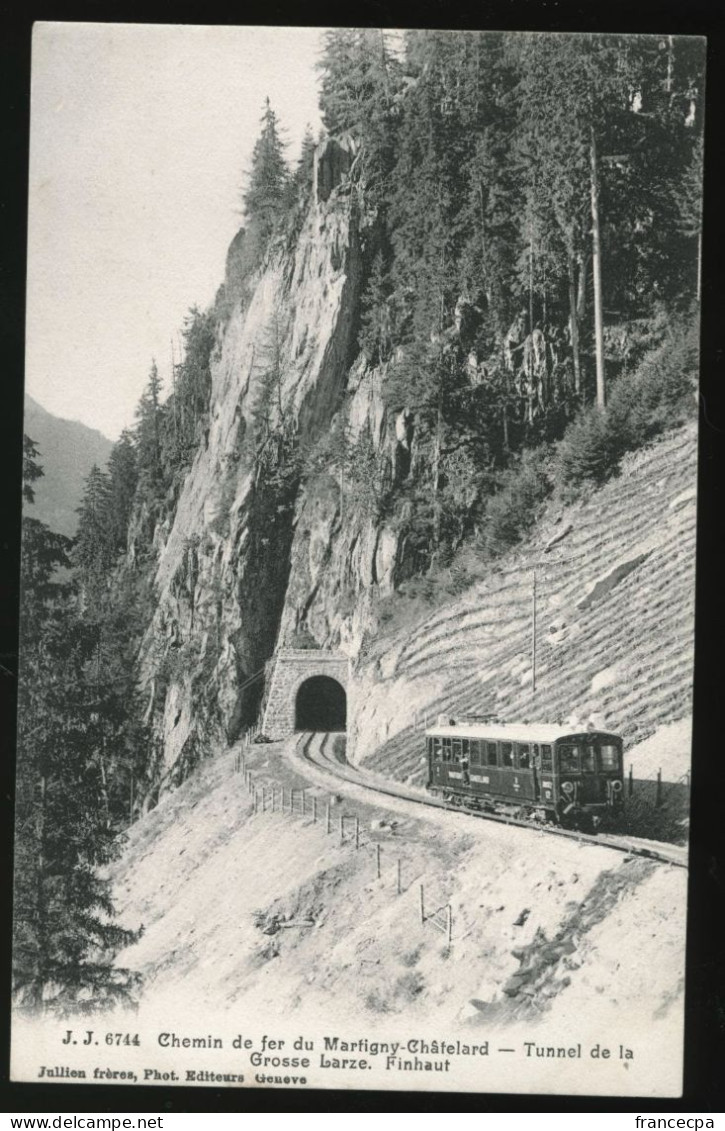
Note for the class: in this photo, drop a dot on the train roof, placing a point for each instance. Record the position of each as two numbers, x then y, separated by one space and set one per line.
512 732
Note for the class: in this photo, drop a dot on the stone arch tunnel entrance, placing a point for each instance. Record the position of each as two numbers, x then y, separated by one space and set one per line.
321 705
309 689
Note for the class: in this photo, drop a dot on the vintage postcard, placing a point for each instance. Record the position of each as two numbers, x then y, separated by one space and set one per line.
358 559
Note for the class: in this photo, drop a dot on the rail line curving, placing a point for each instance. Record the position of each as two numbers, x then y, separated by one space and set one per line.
316 748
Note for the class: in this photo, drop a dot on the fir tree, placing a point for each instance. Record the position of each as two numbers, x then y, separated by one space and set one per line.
148 436
123 479
93 548
65 937
265 195
300 183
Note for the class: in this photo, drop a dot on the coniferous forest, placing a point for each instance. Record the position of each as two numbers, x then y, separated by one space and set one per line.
529 214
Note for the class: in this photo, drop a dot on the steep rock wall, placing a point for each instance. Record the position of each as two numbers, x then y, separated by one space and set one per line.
223 561
343 553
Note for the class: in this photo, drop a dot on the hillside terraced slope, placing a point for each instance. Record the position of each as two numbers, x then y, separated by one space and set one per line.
615 607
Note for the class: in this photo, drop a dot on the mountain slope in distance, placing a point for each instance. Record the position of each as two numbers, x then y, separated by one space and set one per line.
67 452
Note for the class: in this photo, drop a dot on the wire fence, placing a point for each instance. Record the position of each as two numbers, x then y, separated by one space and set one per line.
661 789
304 804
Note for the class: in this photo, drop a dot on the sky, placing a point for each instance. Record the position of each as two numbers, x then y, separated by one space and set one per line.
140 138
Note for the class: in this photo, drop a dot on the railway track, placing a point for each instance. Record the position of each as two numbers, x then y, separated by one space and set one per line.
317 749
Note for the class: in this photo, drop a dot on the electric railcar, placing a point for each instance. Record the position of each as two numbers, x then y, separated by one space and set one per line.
533 770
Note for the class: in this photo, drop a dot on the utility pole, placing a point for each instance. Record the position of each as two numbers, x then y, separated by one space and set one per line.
574 325
597 274
533 634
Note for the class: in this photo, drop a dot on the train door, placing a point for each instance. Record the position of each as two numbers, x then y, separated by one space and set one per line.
524 779
536 770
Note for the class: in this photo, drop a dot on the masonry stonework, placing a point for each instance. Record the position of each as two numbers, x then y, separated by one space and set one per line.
292 666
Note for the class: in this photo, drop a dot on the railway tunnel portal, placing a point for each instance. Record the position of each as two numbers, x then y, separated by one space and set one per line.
308 690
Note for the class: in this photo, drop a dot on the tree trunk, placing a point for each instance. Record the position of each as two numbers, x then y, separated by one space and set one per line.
104 787
581 298
597 276
531 284
42 933
574 327
437 476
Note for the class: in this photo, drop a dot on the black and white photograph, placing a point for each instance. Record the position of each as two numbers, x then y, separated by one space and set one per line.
358 559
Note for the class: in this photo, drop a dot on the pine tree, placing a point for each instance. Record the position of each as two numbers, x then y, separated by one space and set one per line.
31 469
359 96
265 195
189 402
148 436
64 935
94 548
123 479
301 180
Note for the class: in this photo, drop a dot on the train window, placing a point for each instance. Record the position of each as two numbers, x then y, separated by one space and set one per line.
524 756
466 747
589 759
446 749
546 762
456 749
507 754
610 757
569 759
437 749
475 752
492 760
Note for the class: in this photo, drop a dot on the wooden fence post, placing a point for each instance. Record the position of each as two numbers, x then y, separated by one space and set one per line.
422 905
357 833
341 828
377 853
328 827
658 789
630 784
314 810
399 878
449 924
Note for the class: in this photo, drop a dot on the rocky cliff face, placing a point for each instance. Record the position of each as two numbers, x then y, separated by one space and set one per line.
239 564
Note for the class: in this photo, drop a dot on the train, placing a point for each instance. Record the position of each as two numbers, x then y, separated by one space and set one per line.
541 771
